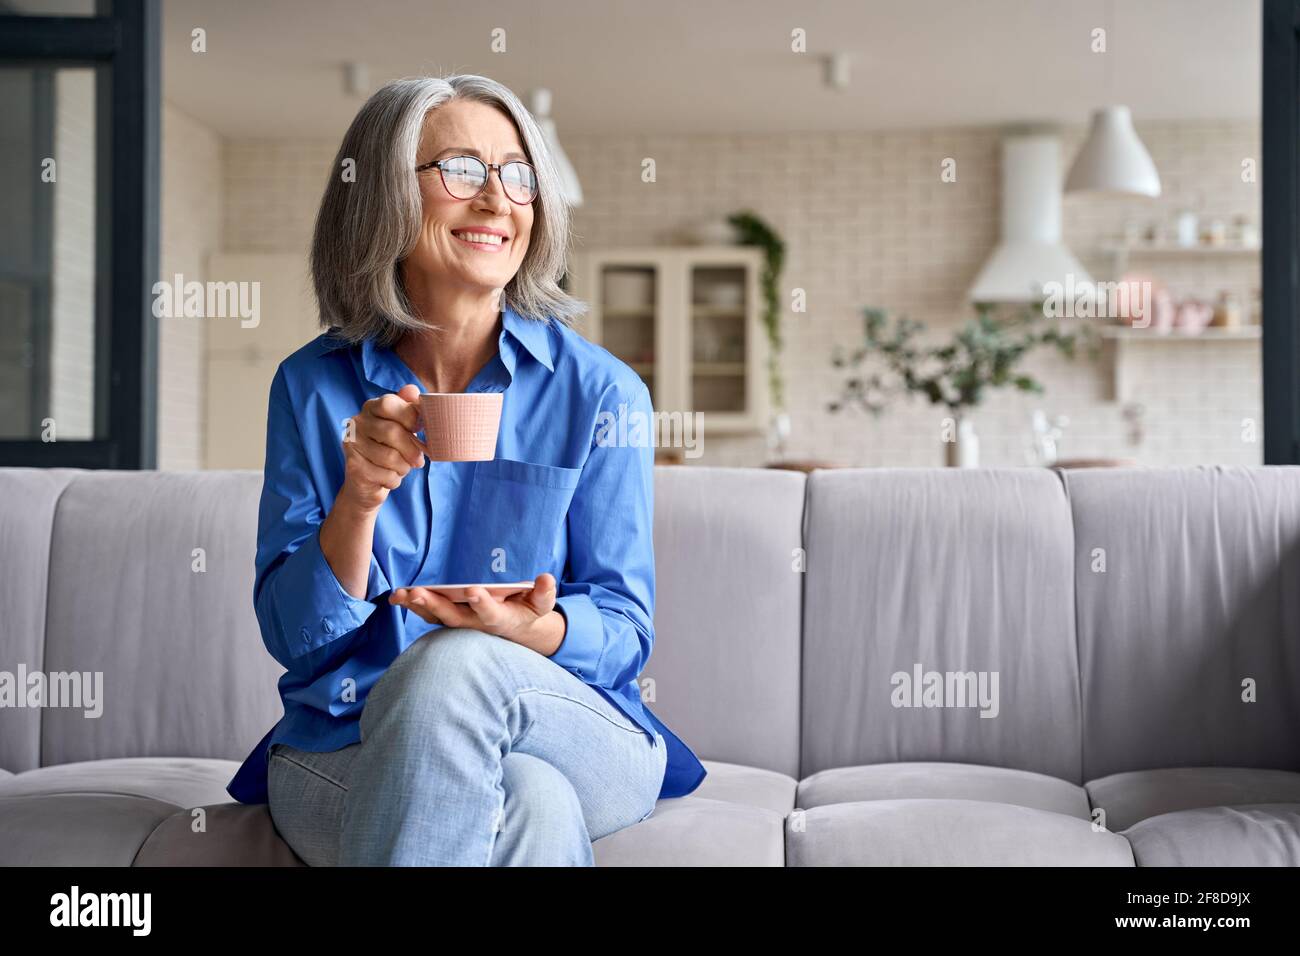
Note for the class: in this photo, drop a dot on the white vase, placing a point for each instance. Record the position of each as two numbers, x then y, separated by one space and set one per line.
713 232
778 432
964 452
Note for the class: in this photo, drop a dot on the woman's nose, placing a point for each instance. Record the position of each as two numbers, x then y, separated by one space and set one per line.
496 192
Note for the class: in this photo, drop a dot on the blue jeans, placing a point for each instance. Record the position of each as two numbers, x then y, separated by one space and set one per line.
475 751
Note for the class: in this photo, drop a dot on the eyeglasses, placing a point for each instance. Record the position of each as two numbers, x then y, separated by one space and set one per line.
465 177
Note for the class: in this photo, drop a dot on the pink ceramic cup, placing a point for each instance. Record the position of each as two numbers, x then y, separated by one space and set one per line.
460 426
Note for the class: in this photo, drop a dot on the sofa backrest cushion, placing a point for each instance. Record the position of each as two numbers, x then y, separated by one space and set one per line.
28 497
961 574
151 578
1188 584
725 665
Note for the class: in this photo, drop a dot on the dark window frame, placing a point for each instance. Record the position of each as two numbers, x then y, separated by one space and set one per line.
1280 263
125 44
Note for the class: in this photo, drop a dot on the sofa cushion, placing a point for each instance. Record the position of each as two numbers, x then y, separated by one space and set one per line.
180 781
724 673
749 786
172 629
1130 797
902 781
946 833
28 501
76 829
234 834
1266 834
956 571
1197 604
695 831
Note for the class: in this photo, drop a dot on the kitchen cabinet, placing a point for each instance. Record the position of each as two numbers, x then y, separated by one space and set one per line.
687 320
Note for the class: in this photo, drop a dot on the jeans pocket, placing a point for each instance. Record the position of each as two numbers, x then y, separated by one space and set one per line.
306 806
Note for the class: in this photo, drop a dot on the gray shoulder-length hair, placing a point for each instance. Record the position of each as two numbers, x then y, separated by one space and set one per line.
369 221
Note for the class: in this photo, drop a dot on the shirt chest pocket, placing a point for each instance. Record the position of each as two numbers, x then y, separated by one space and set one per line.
514 525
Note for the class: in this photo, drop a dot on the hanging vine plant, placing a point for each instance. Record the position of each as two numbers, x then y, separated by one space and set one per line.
753 231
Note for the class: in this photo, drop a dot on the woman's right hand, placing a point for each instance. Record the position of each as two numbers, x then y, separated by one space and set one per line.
384 448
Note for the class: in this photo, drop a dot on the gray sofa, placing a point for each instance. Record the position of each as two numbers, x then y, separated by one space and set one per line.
1131 636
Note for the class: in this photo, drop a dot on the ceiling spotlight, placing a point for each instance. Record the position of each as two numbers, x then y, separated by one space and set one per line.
837 71
356 79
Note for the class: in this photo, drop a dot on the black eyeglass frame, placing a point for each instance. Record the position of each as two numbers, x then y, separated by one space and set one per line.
487 177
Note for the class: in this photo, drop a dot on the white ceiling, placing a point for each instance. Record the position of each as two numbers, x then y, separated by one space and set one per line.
273 68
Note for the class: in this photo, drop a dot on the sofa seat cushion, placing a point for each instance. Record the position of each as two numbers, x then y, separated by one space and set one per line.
1130 797
180 781
926 832
76 829
697 831
944 781
233 834
750 786
735 817
1264 834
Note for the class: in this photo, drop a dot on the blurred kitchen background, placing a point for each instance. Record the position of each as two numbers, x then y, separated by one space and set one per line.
866 141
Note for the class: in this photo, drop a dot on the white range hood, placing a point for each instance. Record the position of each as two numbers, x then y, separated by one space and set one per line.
1030 252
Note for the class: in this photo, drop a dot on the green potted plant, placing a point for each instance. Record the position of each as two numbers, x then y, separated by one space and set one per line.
983 354
752 231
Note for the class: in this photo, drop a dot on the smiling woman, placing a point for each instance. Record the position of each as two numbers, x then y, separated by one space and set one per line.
403 208
418 730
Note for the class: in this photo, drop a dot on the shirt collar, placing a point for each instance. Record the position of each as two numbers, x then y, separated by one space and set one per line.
534 334
383 367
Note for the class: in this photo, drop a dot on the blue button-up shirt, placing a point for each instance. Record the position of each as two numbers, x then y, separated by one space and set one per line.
563 495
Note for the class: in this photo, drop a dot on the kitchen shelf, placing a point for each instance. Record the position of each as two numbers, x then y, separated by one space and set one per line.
1120 338
1211 334
1121 253
1167 249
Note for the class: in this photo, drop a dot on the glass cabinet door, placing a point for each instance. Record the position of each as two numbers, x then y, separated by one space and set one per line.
628 304
718 346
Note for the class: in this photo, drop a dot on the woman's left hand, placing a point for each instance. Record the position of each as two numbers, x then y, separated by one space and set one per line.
516 618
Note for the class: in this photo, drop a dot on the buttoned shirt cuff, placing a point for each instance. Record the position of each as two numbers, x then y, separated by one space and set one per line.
584 636
314 606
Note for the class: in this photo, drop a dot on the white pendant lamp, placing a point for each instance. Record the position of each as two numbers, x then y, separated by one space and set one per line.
570 188
1113 159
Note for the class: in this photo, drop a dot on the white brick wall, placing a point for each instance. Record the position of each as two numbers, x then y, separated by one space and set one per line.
870 223
273 190
192 190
